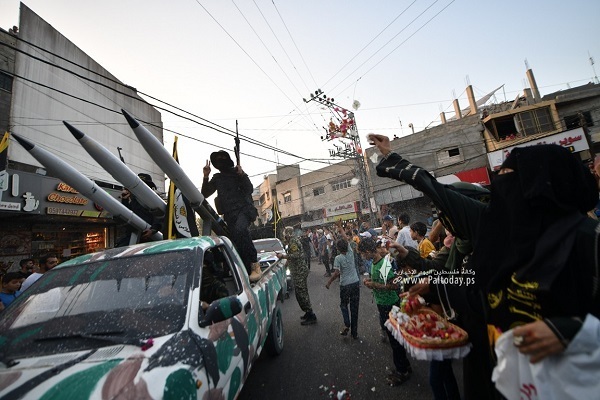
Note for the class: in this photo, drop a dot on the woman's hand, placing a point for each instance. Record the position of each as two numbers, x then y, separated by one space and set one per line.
206 170
537 340
381 142
416 290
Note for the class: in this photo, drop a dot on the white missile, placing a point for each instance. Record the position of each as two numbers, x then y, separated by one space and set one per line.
121 172
85 186
167 163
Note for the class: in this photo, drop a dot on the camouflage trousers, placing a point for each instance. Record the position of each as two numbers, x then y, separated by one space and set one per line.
299 277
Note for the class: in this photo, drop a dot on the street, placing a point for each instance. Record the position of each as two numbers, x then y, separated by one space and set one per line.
317 362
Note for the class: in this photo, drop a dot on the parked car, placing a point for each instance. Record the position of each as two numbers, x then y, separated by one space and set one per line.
170 319
266 250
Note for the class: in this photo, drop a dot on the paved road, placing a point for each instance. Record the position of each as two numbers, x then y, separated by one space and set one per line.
318 363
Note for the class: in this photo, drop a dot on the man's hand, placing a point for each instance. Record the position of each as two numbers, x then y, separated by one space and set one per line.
147 234
381 142
327 285
239 170
125 194
206 170
537 340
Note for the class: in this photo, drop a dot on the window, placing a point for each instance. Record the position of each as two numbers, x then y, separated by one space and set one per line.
341 185
264 198
6 82
219 278
287 197
449 156
318 191
573 121
522 124
534 121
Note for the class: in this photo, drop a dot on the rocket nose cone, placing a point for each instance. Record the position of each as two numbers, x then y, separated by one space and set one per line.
132 121
76 132
23 142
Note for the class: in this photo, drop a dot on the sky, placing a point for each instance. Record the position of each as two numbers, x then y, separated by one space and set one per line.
254 61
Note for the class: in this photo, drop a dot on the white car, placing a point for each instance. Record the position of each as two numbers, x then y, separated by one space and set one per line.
266 252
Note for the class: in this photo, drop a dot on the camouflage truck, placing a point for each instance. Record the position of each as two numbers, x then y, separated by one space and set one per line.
173 319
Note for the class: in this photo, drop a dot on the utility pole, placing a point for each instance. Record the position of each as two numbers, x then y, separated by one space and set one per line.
344 129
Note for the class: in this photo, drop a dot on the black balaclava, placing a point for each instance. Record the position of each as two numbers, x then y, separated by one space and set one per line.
147 179
221 160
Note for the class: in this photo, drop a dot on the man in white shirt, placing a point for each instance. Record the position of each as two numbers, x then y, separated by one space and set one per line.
404 237
47 262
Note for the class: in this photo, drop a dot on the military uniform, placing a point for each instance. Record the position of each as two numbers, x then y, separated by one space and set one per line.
299 270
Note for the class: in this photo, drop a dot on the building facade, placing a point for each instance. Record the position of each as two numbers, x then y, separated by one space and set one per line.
473 145
44 80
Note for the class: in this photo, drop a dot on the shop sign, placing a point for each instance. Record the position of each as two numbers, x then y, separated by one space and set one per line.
59 198
5 205
341 217
573 140
340 209
62 211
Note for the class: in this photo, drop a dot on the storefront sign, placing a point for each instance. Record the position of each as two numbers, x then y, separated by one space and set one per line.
340 209
59 198
341 217
5 205
63 187
574 140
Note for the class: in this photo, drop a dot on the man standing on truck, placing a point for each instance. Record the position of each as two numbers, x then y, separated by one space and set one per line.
299 270
234 202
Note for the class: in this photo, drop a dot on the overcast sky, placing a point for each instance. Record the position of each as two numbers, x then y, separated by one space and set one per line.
253 61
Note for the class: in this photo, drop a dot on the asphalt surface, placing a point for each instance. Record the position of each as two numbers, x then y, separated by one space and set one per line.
318 363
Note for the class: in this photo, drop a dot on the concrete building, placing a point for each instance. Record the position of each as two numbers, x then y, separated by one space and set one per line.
46 79
475 142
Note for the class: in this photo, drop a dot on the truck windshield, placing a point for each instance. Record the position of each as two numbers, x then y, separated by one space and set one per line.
133 298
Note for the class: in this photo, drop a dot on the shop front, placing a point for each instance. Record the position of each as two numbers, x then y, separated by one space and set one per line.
42 215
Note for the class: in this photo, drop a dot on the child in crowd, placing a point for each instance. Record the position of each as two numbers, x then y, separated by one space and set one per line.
418 230
345 269
11 283
384 292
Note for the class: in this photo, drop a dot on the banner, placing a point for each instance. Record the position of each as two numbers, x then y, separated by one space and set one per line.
181 218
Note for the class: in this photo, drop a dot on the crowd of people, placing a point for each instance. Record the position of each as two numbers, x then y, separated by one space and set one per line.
14 283
531 245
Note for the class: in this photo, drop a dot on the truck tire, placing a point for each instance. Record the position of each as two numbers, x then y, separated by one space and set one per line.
274 342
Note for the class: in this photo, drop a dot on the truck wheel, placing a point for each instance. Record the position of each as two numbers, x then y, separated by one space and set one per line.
274 342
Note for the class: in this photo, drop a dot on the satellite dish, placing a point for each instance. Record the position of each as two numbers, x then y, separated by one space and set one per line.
356 105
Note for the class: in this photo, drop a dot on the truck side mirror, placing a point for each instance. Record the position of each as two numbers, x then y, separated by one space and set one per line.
220 310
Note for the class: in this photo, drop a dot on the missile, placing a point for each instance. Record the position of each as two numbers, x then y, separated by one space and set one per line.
167 163
85 186
121 172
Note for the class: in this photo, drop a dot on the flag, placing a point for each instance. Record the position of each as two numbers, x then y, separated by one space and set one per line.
181 218
276 216
3 163
4 151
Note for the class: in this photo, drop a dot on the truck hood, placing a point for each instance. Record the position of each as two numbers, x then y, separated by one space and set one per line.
163 365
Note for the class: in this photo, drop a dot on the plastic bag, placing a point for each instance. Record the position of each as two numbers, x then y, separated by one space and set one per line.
572 374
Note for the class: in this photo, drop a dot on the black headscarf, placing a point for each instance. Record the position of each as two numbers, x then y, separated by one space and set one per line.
529 227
